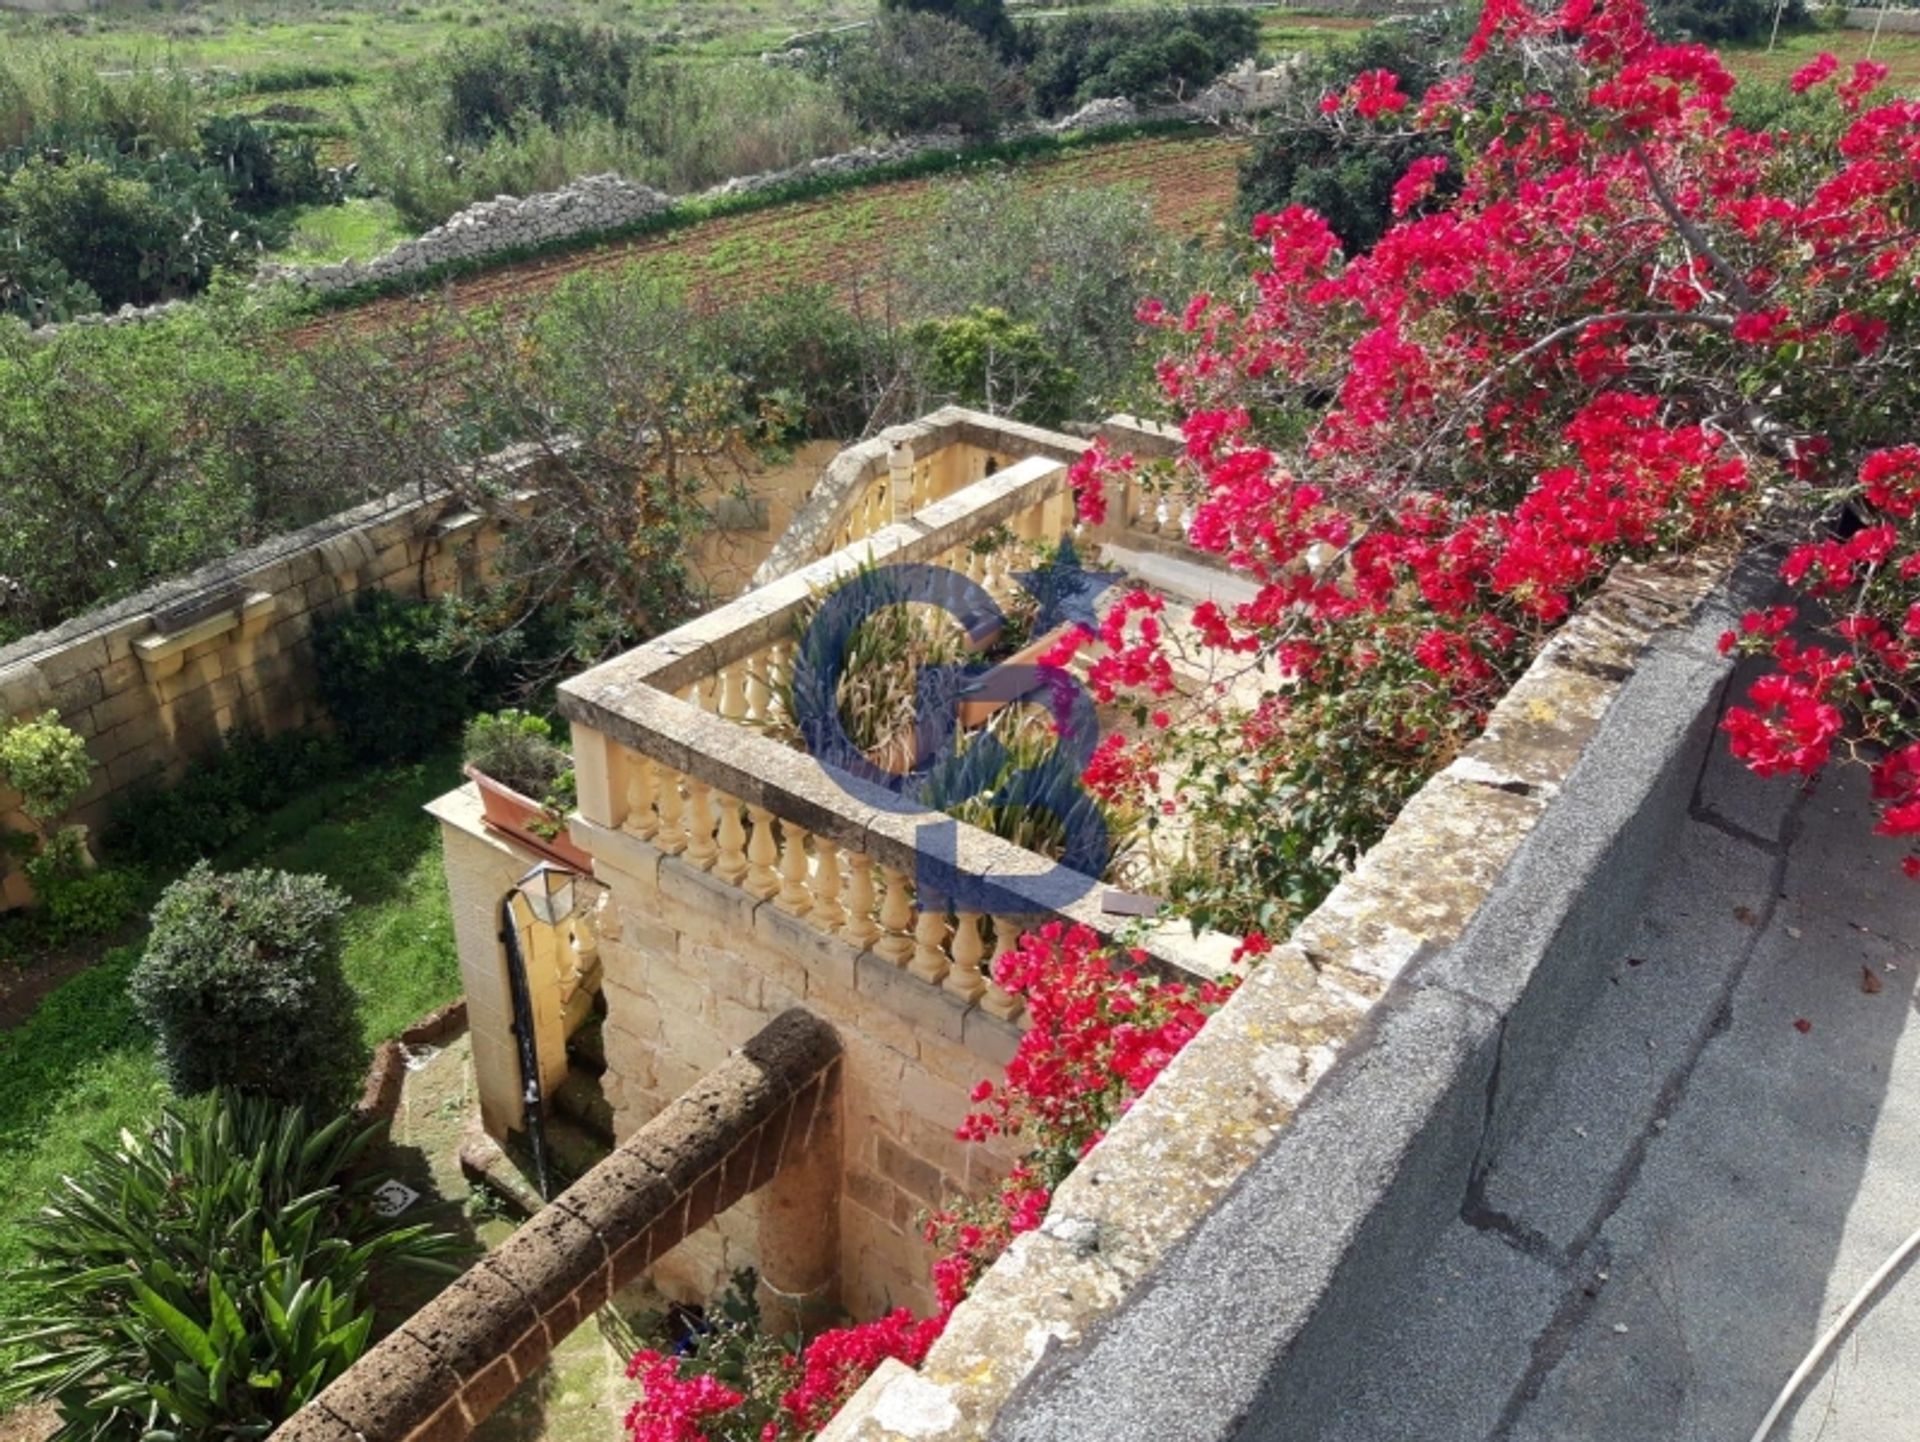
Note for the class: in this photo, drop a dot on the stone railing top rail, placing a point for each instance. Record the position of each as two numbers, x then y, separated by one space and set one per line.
769 614
813 531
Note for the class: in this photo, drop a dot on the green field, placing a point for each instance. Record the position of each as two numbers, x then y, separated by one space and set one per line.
1899 53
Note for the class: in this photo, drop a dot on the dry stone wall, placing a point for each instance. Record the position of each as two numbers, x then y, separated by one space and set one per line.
599 204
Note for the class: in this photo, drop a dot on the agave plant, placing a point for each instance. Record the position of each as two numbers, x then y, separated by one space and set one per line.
207 1278
1027 792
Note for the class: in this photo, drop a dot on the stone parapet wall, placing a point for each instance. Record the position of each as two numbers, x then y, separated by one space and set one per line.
1367 1043
758 1117
878 481
744 876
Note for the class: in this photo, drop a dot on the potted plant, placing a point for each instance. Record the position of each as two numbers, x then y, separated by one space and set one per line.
46 765
512 758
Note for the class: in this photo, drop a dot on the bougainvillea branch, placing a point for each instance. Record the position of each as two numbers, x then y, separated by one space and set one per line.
1637 328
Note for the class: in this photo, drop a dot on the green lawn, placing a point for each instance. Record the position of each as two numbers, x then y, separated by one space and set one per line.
1899 53
82 1067
356 230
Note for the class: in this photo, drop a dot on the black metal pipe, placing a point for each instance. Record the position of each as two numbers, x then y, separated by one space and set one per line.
533 1103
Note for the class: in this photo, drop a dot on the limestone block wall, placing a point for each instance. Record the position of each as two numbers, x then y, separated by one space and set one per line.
157 680
692 966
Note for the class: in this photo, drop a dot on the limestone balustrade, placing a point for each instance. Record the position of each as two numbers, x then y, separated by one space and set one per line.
675 745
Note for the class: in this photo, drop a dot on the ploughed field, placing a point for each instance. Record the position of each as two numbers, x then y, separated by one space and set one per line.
847 239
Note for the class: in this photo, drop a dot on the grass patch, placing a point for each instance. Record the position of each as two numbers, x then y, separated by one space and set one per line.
357 230
1899 53
82 1067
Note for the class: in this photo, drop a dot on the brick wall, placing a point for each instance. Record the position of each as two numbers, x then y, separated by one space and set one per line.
757 1119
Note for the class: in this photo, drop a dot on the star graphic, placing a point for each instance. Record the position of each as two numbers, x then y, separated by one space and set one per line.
1065 590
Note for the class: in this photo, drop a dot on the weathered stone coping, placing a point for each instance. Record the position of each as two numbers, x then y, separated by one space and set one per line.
1357 1065
630 702
458 1358
816 530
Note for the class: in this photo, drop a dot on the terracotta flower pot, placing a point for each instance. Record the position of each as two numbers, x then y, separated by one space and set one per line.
511 814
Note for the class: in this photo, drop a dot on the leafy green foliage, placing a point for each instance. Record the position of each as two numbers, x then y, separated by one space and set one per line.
986 358
242 982
112 193
988 18
516 749
1346 173
1149 56
391 695
169 826
262 171
1716 20
133 453
802 350
132 231
74 904
82 1066
546 71
209 1277
920 71
46 763
628 430
1072 264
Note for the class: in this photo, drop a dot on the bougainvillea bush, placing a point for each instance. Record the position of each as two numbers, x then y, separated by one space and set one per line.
1634 328
1100 1032
1608 323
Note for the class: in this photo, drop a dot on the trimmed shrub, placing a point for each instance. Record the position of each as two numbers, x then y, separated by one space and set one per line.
391 693
46 763
243 985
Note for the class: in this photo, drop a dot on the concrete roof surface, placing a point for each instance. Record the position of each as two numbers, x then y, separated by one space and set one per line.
1728 1149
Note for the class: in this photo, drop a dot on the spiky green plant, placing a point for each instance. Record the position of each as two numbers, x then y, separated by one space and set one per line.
208 1278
